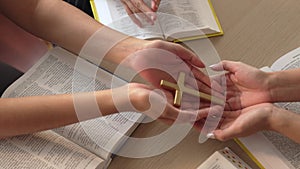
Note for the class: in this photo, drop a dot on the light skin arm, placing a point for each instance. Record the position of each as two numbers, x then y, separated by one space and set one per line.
66 26
284 85
31 114
247 85
250 94
40 16
256 118
58 22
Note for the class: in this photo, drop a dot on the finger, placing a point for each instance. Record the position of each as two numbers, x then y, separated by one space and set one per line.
213 111
188 116
203 113
196 73
230 66
198 125
192 102
132 16
234 103
226 123
204 89
147 11
188 56
189 104
226 134
219 81
197 85
135 9
145 16
231 114
155 5
198 79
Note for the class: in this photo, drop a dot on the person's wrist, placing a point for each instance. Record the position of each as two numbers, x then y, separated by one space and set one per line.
138 97
272 83
275 122
124 48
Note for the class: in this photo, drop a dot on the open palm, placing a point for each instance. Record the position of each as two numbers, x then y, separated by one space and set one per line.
244 122
246 85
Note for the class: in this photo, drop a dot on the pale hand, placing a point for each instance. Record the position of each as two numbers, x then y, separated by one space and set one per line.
241 123
160 60
246 85
139 7
153 102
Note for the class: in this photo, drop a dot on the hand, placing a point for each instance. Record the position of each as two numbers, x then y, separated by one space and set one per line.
246 85
139 7
153 102
159 60
241 123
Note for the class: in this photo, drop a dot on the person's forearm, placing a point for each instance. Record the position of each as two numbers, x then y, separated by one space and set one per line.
68 27
52 20
285 122
31 114
285 85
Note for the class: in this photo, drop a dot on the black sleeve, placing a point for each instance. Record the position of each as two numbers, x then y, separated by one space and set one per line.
8 75
83 5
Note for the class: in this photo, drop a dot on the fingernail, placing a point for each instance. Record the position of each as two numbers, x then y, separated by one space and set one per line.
213 66
153 18
211 136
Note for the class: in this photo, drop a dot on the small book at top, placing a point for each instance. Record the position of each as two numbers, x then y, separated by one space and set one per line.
176 20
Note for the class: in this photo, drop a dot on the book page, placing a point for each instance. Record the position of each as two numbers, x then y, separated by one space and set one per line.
102 136
53 74
187 18
216 161
290 60
275 150
113 14
45 150
291 152
224 159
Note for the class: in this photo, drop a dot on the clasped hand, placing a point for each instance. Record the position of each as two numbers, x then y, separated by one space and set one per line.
160 60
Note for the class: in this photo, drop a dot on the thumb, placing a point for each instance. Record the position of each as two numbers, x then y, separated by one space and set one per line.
226 65
226 134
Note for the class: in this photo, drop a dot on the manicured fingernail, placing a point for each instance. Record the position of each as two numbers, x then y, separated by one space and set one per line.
153 18
211 136
213 66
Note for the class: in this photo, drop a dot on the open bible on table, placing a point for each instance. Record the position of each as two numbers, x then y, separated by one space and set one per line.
176 20
72 146
269 149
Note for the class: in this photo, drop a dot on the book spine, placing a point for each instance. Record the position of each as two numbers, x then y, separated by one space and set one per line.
253 158
95 13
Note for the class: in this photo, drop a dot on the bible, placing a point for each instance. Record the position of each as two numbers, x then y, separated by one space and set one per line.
176 20
71 146
270 149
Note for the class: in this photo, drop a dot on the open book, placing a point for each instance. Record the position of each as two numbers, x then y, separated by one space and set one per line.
268 149
177 20
72 146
